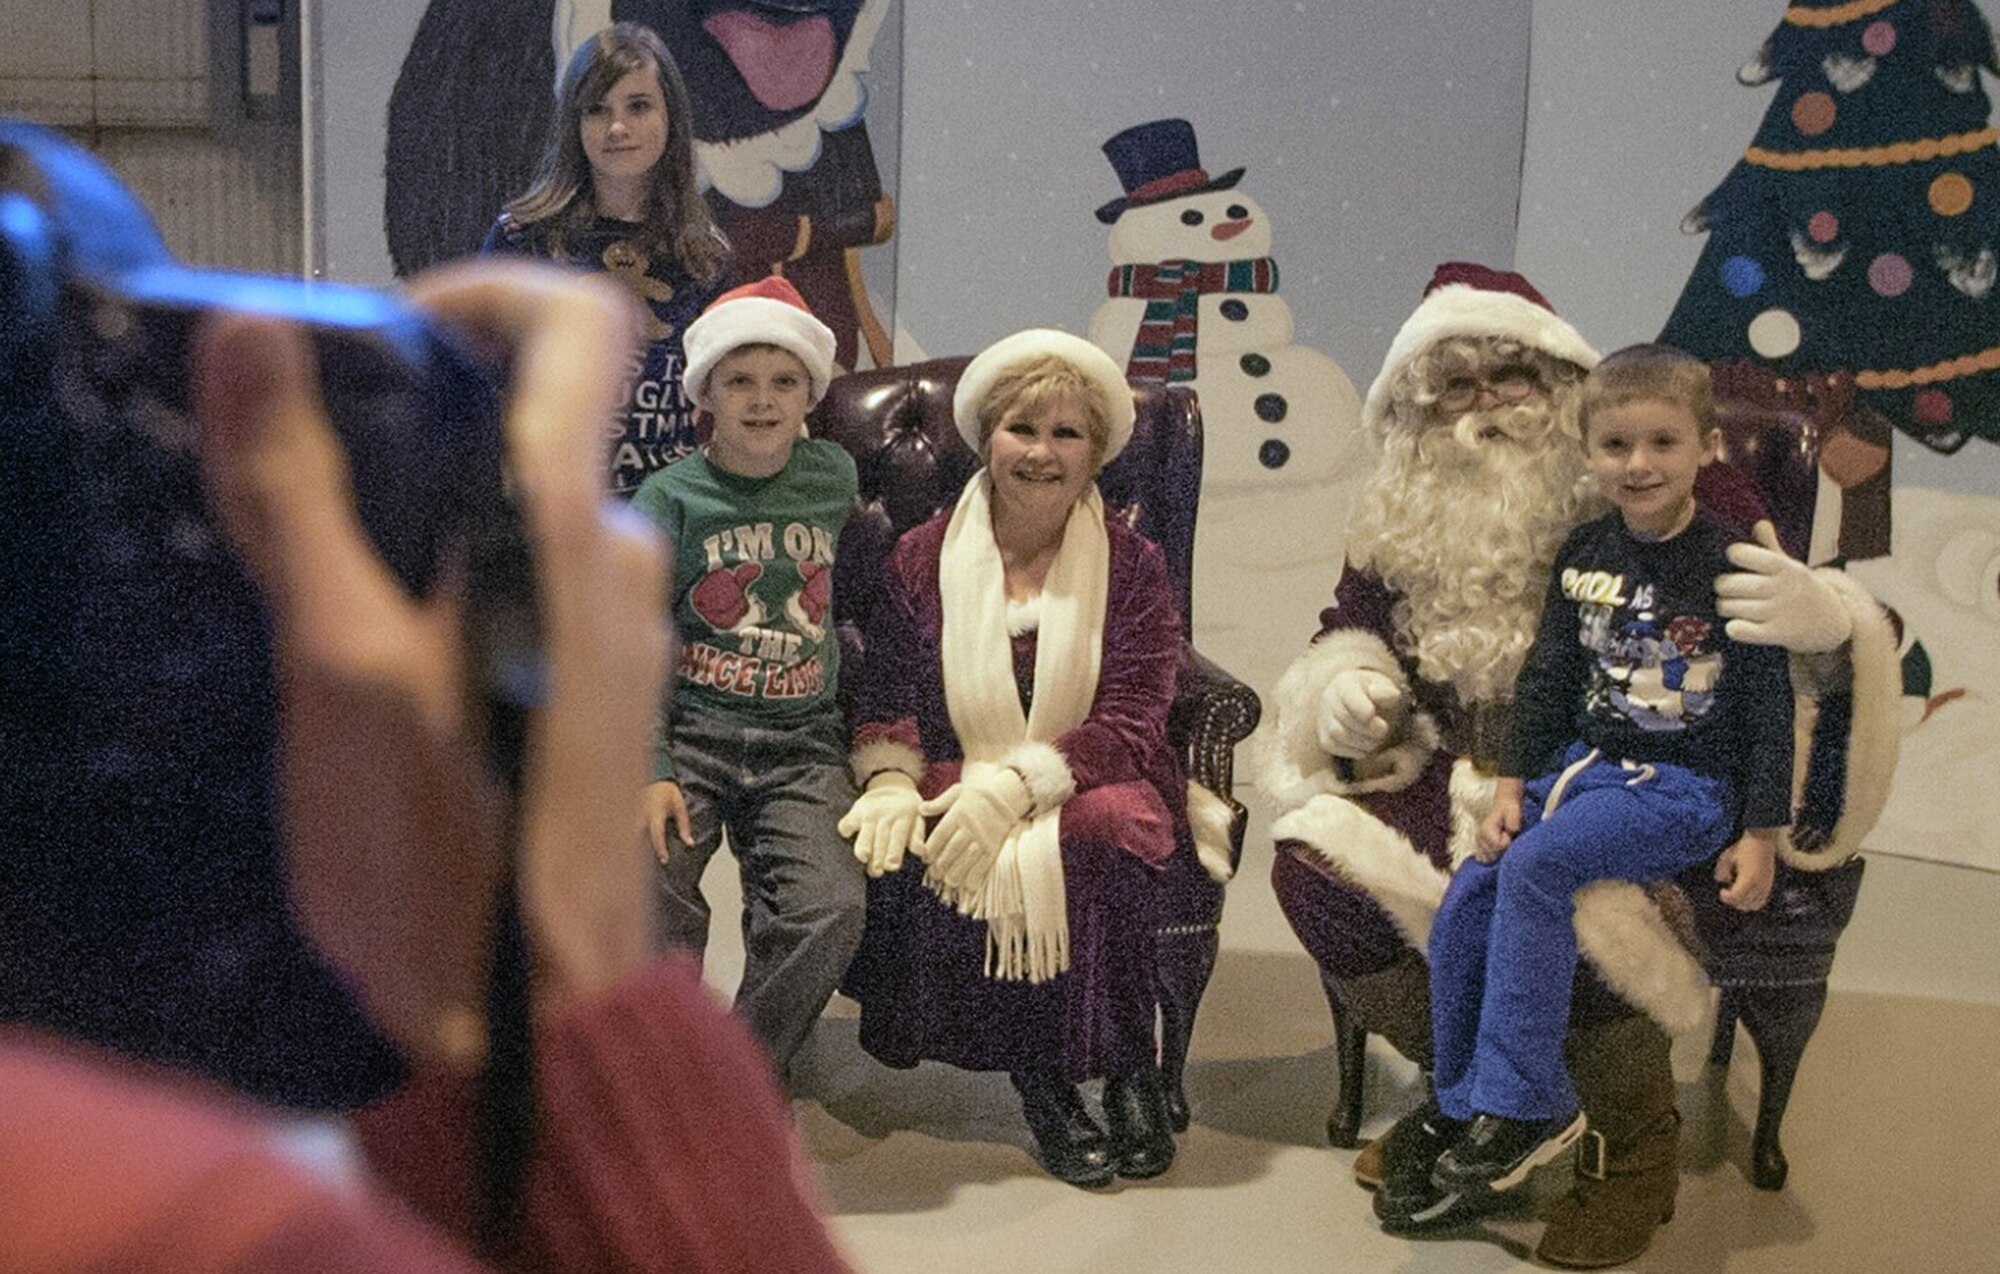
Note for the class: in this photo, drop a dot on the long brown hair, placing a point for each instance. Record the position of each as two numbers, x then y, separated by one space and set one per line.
677 216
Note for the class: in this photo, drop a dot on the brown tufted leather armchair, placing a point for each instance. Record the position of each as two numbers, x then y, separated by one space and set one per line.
897 424
1772 965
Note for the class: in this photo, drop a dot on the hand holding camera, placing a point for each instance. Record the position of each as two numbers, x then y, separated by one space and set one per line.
375 680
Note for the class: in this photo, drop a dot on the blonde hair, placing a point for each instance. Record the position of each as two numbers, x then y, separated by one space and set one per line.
677 220
1651 373
1031 385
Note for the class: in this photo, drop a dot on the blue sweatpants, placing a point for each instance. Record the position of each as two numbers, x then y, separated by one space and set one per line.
1503 948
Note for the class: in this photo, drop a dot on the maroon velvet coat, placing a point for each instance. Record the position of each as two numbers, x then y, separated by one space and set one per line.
920 976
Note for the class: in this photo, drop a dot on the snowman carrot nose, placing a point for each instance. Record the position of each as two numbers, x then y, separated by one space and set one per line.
1229 229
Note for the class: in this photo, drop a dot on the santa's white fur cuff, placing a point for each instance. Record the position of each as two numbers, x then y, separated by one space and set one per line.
1291 767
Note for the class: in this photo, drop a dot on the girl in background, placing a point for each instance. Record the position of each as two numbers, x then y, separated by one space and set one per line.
615 191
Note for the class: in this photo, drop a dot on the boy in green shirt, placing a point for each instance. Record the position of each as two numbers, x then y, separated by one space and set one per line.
750 739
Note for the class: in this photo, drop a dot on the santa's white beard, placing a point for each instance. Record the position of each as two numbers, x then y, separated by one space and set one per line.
1463 517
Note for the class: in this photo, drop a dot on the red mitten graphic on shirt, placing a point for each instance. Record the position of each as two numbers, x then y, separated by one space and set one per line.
817 594
722 599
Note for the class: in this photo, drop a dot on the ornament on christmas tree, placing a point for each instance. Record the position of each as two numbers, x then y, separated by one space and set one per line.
1858 239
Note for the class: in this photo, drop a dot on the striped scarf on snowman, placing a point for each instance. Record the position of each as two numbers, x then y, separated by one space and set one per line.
1163 352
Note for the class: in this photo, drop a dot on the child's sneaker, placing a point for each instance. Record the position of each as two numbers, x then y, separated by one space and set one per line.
1406 1199
1497 1153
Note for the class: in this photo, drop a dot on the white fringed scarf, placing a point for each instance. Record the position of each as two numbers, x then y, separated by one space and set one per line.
1022 900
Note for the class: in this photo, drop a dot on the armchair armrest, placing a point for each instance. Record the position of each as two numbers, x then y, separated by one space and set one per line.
1212 713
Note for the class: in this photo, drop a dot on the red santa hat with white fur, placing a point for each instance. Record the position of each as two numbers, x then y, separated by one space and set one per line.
767 312
1464 299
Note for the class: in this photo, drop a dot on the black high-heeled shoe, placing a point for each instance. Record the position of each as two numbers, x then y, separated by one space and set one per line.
1073 1148
1142 1138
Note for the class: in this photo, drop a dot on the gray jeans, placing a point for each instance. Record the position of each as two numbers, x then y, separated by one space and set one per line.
779 794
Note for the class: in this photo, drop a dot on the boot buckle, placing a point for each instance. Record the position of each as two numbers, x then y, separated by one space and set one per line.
1593 1155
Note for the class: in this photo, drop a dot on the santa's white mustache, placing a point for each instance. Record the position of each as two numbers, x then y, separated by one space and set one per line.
1514 423
1470 436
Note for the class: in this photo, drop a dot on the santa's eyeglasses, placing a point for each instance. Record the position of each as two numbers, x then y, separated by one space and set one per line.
1510 383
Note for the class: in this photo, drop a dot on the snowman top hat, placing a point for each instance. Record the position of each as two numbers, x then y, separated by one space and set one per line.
1159 161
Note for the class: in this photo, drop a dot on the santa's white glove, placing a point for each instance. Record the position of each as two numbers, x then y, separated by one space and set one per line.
1776 600
885 822
973 819
1358 711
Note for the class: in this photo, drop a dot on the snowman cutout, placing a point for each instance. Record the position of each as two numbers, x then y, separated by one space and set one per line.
1193 301
1942 583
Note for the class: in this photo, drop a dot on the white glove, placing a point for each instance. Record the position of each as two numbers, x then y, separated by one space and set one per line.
1357 712
1778 601
974 817
885 822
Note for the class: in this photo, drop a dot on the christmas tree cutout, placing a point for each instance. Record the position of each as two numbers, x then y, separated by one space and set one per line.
1853 247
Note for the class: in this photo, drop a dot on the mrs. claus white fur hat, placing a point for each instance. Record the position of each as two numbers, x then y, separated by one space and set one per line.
976 382
767 312
1464 299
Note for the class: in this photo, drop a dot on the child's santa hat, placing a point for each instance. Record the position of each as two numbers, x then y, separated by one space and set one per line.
1464 299
767 312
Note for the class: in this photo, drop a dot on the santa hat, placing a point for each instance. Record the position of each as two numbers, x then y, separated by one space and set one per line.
767 312
1096 366
1464 299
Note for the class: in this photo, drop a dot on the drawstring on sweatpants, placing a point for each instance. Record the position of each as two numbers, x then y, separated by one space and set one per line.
1642 772
1570 771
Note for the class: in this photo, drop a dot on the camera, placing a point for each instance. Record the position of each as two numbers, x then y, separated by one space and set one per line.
100 318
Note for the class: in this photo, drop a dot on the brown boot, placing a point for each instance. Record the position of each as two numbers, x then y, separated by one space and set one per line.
1627 1172
1368 1165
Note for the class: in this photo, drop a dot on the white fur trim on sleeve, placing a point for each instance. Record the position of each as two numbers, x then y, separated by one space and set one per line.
877 755
1373 857
1621 931
1875 734
1290 765
1045 771
1210 818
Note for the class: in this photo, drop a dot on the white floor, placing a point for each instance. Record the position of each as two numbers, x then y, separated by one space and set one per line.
1889 1132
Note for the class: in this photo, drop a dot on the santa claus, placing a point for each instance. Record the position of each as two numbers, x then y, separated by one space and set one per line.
1385 731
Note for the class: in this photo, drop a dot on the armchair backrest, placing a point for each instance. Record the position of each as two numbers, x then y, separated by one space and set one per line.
897 424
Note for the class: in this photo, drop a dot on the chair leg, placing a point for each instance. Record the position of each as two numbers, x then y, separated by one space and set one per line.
1393 1003
1185 960
1780 1020
1343 1125
1350 1051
